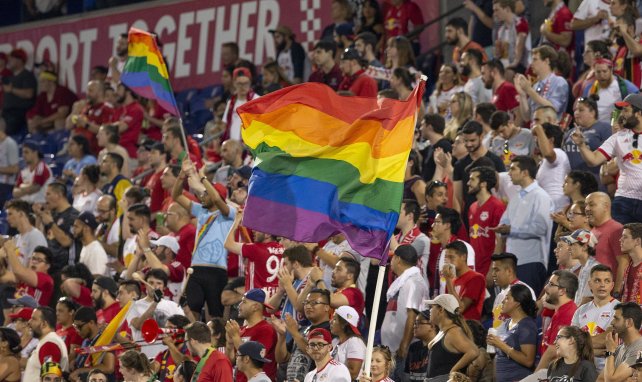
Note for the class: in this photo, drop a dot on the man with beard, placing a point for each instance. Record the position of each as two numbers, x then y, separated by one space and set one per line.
251 309
103 293
50 347
344 280
471 62
93 254
86 322
472 134
139 218
108 232
110 168
457 35
328 71
262 257
560 292
504 93
88 115
610 88
432 128
213 365
209 261
623 145
117 62
129 119
621 357
289 54
295 351
175 146
179 222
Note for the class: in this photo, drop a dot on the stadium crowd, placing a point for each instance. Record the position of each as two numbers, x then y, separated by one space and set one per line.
518 250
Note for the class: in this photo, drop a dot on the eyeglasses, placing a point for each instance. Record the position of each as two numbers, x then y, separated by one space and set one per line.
553 285
38 259
79 326
317 345
571 215
314 303
559 336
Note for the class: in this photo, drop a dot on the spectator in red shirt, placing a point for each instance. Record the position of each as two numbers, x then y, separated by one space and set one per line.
468 286
252 308
457 35
103 294
355 81
177 352
32 280
262 257
157 163
504 93
560 292
52 104
213 365
556 29
180 224
88 115
401 17
129 119
65 310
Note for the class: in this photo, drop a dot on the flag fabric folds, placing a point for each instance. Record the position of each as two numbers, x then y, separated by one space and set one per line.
327 164
145 71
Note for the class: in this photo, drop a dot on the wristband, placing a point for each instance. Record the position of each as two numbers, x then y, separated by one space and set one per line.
203 178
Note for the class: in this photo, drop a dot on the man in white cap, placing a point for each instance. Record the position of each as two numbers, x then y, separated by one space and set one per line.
162 256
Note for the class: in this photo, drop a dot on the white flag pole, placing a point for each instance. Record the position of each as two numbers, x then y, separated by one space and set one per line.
373 318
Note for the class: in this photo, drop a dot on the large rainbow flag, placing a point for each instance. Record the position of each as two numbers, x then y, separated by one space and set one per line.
327 164
145 71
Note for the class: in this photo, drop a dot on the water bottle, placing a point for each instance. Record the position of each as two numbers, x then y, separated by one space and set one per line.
490 349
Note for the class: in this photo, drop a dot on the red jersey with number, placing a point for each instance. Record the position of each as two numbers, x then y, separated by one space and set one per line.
132 114
42 292
481 219
262 262
264 333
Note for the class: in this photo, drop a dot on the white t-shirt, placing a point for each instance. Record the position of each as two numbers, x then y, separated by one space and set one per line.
606 103
87 203
595 320
589 9
551 177
94 257
28 242
620 146
351 349
411 296
477 90
8 157
333 371
164 310
506 190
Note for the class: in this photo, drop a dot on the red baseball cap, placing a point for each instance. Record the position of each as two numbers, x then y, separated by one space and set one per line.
24 313
324 334
19 54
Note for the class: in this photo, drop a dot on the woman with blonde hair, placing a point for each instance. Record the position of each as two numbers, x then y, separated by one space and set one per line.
461 111
575 352
381 367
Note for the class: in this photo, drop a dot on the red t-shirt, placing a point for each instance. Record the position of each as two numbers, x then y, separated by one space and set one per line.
39 175
562 23
482 238
505 97
156 111
69 335
84 298
44 108
562 317
107 314
399 19
42 292
472 45
632 276
263 261
360 84
167 364
217 368
185 236
265 334
156 191
355 298
608 248
472 285
132 114
100 114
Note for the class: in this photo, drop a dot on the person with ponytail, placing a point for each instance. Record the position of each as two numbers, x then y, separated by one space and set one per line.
9 355
575 352
382 366
135 367
453 348
516 340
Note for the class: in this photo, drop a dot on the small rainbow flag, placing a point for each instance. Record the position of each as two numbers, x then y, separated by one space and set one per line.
327 164
145 71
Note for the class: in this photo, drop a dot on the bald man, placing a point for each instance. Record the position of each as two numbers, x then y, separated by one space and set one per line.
232 154
607 232
179 221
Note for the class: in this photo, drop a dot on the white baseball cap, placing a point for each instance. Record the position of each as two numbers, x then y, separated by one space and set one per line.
349 314
167 241
446 301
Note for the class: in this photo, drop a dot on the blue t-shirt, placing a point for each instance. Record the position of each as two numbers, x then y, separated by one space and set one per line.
210 250
524 333
594 136
76 165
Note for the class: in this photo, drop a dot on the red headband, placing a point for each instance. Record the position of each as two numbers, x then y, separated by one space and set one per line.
242 72
604 61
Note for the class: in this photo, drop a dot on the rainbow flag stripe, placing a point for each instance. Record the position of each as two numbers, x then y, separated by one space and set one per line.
145 71
327 164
